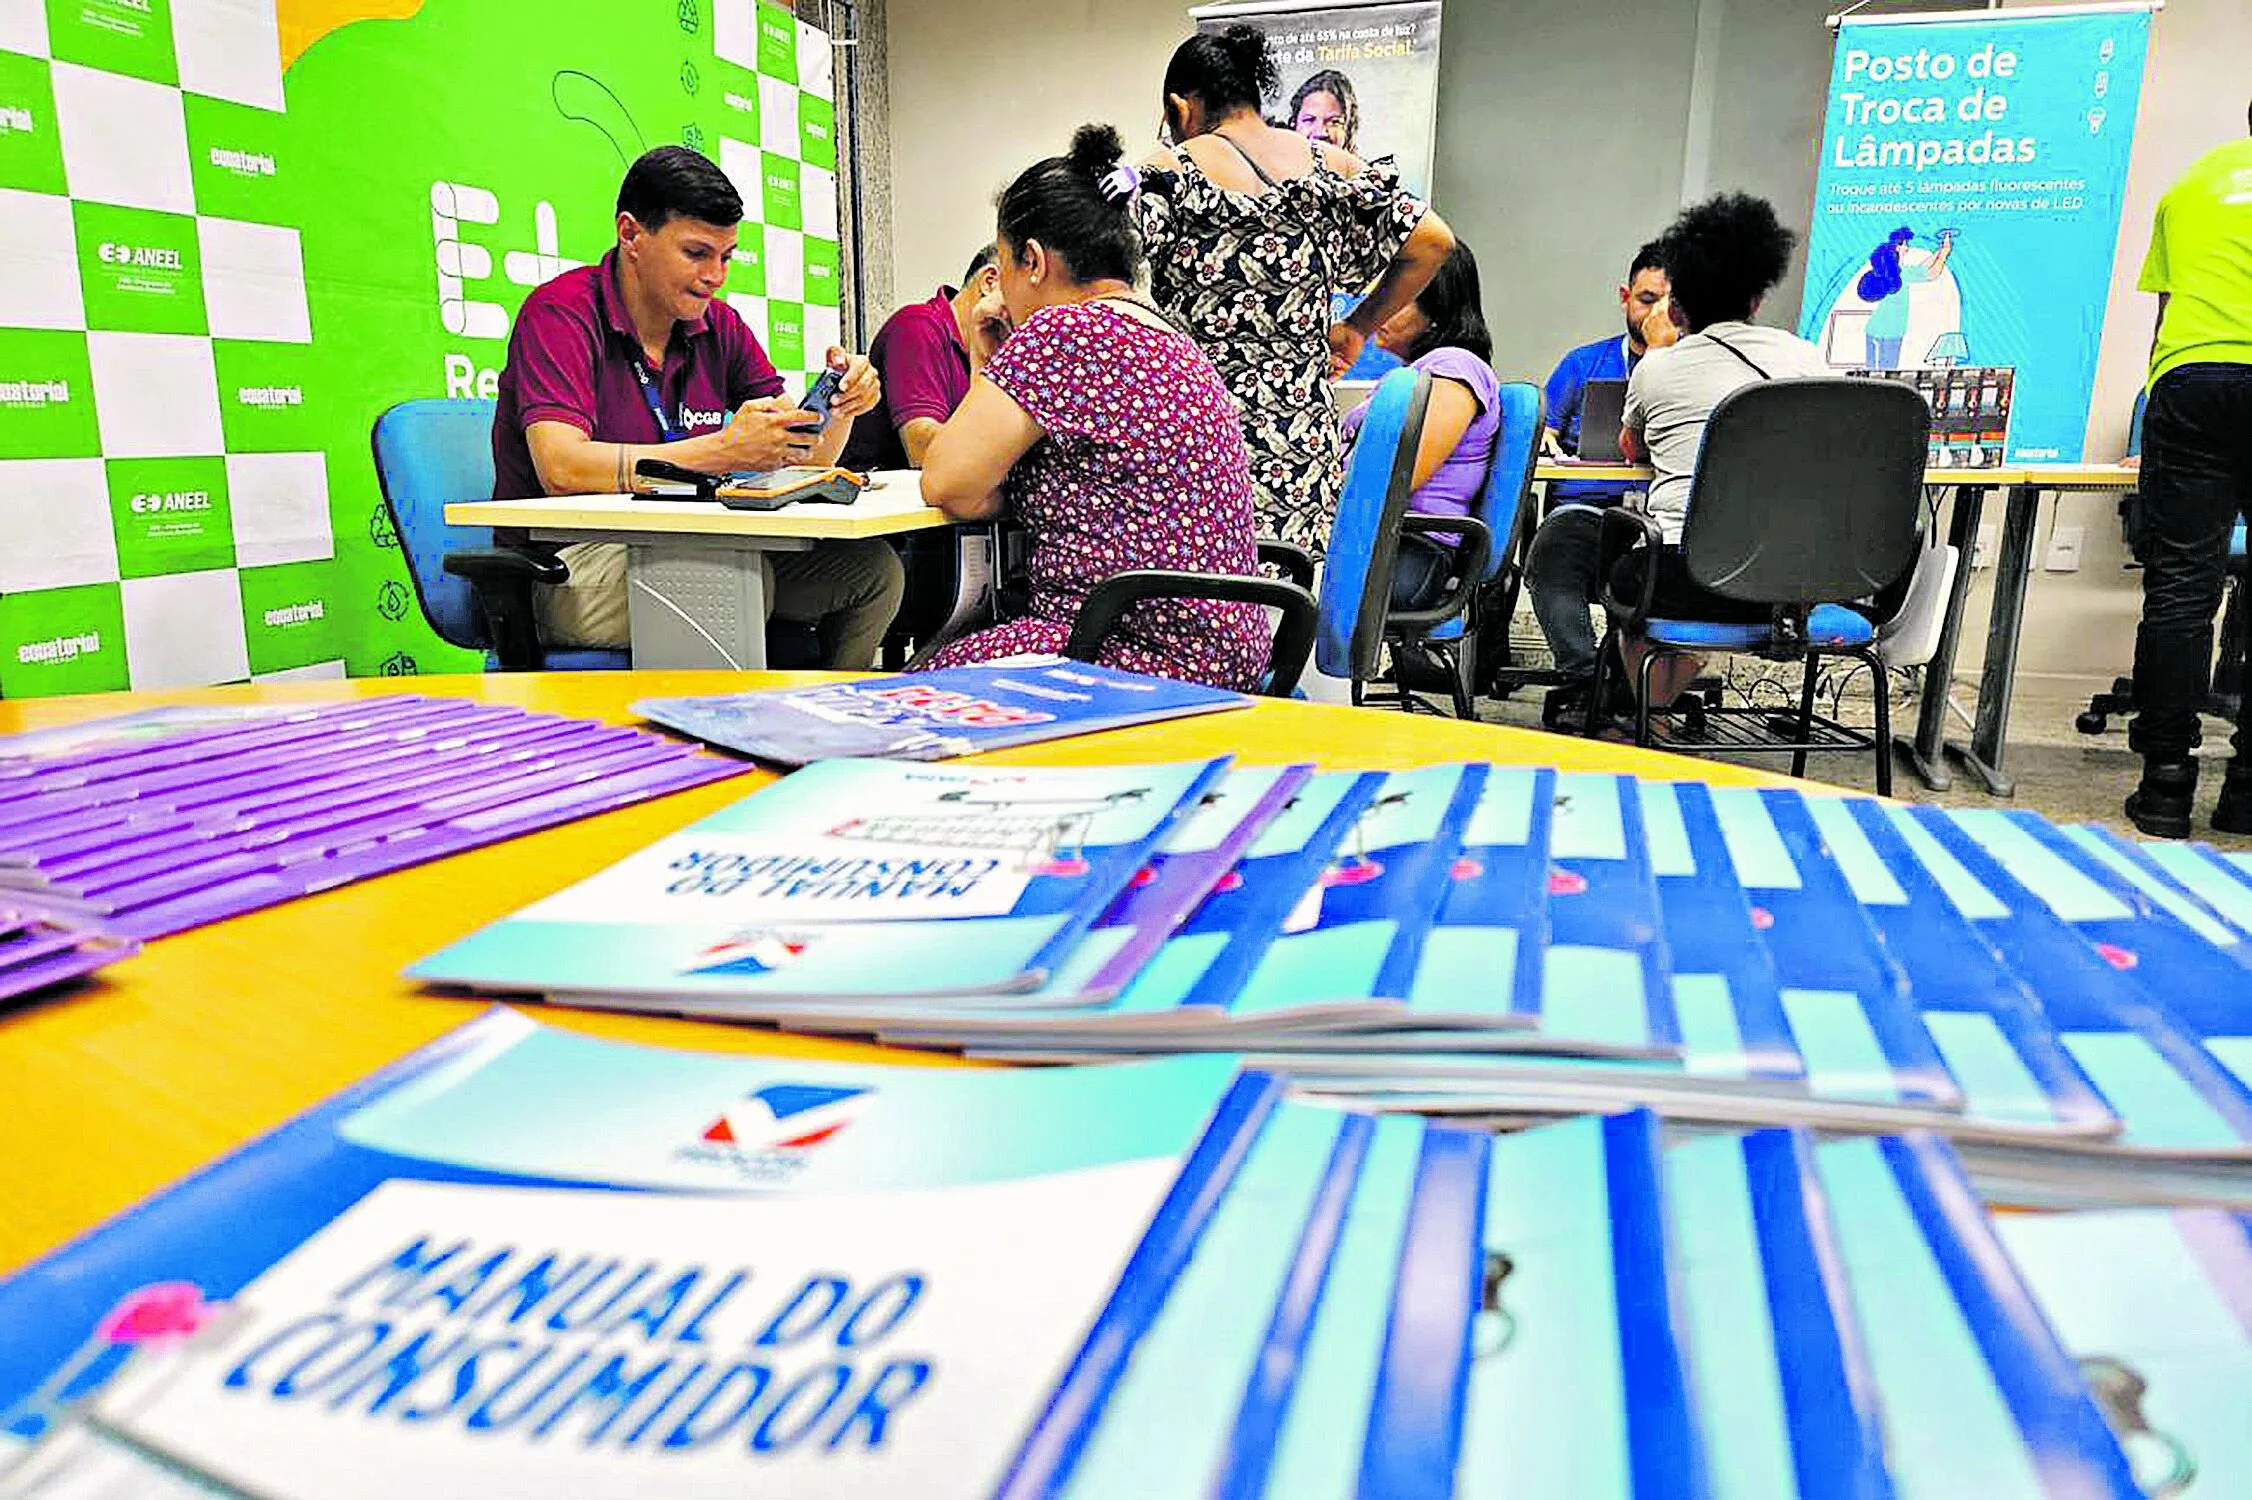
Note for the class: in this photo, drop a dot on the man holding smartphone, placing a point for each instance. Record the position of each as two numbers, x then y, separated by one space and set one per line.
635 358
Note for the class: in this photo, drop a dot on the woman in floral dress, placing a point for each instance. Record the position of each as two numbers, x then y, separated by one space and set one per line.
1104 429
1251 231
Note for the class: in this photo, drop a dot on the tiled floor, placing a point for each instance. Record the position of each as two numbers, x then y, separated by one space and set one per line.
2062 774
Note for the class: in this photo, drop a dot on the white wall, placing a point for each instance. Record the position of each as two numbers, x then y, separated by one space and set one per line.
1563 143
979 93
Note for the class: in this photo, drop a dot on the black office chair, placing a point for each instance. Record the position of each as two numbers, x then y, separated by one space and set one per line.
1297 614
1806 494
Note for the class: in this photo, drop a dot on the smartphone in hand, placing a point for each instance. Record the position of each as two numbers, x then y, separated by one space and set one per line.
819 394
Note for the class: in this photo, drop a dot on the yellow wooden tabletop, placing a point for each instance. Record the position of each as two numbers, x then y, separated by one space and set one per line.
893 503
205 1040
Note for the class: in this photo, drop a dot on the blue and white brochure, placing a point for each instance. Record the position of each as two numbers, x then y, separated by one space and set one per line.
2155 1306
849 879
528 1263
2174 1098
2017 1076
1579 1382
1847 998
1775 1342
1979 1396
935 715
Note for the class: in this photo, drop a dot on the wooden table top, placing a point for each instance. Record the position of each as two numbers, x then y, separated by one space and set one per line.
892 503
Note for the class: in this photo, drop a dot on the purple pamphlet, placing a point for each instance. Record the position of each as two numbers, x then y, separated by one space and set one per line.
158 822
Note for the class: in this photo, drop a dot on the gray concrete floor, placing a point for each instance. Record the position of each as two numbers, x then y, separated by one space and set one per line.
2065 776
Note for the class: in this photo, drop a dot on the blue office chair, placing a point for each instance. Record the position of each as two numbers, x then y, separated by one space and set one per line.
1356 618
429 453
1475 643
1807 493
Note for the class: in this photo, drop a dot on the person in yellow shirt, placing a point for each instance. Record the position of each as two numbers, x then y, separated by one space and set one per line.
2197 480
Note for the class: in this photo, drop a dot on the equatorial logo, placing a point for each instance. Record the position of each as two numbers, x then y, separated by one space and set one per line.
770 1134
244 163
15 120
34 393
747 954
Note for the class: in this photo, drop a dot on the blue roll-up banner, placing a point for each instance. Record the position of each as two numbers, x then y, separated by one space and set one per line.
1967 209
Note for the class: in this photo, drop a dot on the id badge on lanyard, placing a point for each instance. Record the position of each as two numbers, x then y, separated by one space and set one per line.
668 431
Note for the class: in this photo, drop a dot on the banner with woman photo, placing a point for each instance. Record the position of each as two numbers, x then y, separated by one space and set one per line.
1362 77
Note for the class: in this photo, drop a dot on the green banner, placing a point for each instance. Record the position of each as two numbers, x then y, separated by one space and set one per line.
231 238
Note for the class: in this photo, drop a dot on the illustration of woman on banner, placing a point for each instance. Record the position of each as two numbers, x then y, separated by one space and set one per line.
1894 267
1326 108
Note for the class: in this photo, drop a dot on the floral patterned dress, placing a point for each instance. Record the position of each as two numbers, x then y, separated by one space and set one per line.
1143 466
1252 277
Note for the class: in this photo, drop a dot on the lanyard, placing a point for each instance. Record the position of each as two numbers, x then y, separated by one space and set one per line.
666 430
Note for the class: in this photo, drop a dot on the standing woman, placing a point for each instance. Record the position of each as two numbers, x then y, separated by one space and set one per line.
1250 231
1104 429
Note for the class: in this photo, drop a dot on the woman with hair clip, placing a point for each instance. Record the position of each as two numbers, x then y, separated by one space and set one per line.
1104 429
1443 333
1251 230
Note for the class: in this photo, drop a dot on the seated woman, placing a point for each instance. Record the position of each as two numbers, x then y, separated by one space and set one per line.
1443 333
1723 256
1103 429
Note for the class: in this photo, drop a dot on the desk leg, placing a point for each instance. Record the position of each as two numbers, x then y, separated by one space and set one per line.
1997 680
1927 752
696 605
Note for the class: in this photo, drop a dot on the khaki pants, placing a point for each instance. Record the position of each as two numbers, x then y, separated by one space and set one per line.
848 591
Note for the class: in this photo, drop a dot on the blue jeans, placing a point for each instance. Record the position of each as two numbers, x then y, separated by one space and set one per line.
1560 575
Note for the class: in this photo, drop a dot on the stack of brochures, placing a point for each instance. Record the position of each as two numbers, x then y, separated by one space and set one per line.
526 1263
41 948
161 821
1505 945
935 715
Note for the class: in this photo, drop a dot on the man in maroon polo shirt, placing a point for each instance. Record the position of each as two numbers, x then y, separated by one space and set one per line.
634 358
922 355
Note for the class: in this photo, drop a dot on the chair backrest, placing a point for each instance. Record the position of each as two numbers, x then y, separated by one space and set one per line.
1808 491
1509 479
428 454
1364 541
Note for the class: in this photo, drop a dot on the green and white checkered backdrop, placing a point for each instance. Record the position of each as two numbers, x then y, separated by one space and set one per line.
216 271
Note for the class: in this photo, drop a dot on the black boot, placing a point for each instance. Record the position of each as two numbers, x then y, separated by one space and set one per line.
2160 806
2233 814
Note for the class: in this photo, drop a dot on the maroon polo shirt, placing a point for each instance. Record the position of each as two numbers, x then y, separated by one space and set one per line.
571 357
918 354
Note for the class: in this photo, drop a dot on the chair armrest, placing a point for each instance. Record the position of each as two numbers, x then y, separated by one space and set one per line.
1291 561
1470 551
504 565
1623 530
500 584
1109 600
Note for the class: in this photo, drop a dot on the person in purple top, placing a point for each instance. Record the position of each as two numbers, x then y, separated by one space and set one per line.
636 358
1443 333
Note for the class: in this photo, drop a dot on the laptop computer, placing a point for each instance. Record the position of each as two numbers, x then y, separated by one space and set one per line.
1602 404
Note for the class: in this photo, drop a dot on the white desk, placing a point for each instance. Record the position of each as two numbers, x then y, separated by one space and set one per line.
694 593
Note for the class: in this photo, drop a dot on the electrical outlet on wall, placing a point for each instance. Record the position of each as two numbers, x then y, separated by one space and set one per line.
1982 550
2064 549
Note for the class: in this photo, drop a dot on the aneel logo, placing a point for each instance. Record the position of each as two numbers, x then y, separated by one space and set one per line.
769 1135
